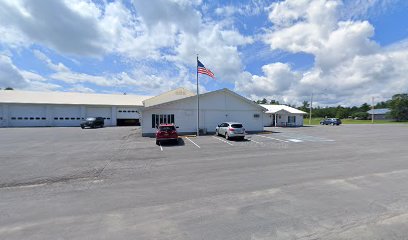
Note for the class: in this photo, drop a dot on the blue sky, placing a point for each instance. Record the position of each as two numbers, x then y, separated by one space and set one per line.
344 52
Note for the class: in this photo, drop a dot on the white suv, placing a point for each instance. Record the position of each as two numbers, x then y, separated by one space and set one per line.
231 130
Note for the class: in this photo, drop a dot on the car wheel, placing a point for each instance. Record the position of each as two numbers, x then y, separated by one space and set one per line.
321 123
157 142
226 136
82 127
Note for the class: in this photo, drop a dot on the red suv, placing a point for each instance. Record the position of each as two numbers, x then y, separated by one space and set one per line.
166 132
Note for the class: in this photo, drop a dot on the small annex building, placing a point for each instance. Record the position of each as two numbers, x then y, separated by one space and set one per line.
379 114
215 107
282 116
60 109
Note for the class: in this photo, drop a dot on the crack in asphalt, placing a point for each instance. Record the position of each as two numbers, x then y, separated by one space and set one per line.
52 180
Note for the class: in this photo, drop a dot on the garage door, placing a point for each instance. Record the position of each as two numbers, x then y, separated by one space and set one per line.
65 116
105 112
27 115
127 116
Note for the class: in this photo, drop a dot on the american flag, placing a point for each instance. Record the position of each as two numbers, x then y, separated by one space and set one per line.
202 70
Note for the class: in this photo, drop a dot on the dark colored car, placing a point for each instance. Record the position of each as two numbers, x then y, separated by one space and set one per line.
330 121
166 132
93 122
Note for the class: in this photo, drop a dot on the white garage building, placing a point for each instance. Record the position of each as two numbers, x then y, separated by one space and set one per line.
40 109
215 107
282 116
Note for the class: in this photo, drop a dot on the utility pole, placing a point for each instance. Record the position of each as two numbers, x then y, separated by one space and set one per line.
310 110
372 110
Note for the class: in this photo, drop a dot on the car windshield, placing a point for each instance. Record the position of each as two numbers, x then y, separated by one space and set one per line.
238 125
167 128
90 119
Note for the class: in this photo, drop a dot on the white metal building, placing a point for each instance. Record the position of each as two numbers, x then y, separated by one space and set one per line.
215 107
24 108
282 116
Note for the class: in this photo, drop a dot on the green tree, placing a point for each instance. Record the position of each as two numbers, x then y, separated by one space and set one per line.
9 88
364 107
264 101
399 107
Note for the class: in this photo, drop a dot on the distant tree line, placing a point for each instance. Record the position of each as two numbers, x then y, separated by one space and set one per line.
8 88
398 105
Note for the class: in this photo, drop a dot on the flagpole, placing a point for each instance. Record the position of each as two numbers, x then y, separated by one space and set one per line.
198 103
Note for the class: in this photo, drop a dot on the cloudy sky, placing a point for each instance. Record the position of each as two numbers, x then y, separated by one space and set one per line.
345 52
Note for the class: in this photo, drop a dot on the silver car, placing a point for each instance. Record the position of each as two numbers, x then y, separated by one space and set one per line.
231 130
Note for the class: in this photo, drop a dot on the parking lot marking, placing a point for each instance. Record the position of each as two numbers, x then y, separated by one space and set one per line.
277 139
161 148
254 141
223 140
295 140
192 142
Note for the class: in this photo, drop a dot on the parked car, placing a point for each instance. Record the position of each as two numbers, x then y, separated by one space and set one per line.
330 121
93 122
231 130
166 132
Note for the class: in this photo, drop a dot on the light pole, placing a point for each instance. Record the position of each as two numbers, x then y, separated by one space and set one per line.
310 110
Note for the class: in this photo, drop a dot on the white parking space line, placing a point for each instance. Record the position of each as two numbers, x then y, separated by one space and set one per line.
295 140
277 139
254 141
223 140
161 148
192 142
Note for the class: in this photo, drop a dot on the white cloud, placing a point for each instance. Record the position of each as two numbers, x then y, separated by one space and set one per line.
11 76
278 78
349 66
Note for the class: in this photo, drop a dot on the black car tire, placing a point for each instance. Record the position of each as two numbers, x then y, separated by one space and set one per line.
82 127
157 142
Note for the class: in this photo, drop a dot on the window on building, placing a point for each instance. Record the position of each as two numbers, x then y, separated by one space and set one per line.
31 118
256 115
61 118
25 118
43 118
20 118
37 118
162 118
13 118
291 119
78 118
120 111
66 118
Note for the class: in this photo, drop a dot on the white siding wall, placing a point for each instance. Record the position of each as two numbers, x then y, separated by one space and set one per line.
214 109
2 118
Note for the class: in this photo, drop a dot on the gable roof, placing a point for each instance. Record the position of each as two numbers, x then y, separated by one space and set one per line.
75 98
175 94
225 90
379 111
277 108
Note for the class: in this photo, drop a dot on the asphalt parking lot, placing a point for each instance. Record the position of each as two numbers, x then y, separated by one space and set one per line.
322 182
